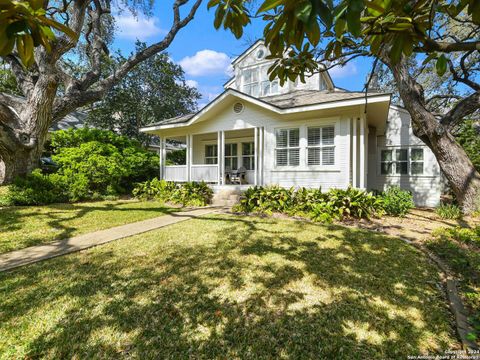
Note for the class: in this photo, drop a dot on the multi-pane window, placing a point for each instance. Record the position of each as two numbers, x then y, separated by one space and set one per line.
321 149
231 159
287 151
416 161
250 81
211 154
401 161
256 82
248 155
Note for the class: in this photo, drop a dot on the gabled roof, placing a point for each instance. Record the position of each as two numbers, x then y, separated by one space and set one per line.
297 101
246 52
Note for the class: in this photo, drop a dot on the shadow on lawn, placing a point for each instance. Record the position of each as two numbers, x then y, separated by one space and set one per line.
368 296
58 216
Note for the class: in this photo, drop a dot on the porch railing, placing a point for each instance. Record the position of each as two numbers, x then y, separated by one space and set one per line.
207 173
176 172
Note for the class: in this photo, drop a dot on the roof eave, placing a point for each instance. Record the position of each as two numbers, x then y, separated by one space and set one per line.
301 108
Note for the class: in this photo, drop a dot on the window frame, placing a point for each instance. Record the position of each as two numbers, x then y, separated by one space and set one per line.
321 146
215 157
251 82
250 157
231 157
288 148
394 161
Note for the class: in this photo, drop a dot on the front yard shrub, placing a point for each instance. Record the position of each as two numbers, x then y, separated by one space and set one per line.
449 211
93 165
459 248
37 189
397 202
312 203
186 194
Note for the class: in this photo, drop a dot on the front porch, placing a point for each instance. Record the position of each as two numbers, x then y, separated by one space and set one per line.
215 157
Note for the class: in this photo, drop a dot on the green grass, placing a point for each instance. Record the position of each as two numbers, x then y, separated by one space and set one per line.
459 248
32 225
229 287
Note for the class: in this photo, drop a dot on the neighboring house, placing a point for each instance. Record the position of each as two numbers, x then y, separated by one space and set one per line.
313 135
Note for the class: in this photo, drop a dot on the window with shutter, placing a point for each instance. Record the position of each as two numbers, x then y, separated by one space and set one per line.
321 148
287 151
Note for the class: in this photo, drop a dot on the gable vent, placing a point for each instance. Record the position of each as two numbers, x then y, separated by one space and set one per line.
238 108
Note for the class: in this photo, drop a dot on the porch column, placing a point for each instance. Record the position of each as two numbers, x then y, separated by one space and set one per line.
219 172
260 154
221 158
189 157
362 153
354 152
162 157
255 153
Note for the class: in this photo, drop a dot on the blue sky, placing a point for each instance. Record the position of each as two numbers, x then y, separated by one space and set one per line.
205 53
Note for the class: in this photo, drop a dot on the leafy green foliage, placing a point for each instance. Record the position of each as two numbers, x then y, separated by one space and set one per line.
312 203
36 189
177 157
93 164
25 25
186 194
469 137
397 202
154 90
449 211
402 27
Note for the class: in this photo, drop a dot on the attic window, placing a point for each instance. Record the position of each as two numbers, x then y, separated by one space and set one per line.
260 54
238 108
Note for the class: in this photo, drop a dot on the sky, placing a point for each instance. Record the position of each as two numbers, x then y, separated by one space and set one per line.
204 53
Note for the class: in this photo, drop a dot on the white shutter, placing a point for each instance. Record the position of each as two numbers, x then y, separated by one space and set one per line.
313 136
328 156
328 135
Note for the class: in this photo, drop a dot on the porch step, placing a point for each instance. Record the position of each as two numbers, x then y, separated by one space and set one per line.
226 197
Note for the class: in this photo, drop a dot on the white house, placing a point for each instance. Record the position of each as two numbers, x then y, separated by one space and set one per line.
312 135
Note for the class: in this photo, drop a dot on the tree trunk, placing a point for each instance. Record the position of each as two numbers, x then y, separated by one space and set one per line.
24 129
454 162
17 164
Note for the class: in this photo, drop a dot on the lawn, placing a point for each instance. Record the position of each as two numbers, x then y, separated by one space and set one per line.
229 287
32 225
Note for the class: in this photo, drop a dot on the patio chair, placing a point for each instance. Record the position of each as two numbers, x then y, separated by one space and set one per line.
239 176
228 175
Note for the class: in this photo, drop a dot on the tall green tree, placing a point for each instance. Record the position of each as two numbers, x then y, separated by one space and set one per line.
51 88
300 34
153 90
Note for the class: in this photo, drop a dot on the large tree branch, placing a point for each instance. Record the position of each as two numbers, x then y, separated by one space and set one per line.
78 96
463 108
24 79
13 101
431 45
65 43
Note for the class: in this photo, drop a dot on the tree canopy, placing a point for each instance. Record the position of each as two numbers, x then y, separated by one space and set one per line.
152 91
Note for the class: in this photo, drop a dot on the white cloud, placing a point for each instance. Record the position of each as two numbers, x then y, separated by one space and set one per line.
137 27
192 83
339 71
207 62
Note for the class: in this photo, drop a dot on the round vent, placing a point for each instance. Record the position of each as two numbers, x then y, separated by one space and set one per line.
238 108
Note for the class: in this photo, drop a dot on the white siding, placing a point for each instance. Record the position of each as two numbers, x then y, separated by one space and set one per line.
426 188
254 116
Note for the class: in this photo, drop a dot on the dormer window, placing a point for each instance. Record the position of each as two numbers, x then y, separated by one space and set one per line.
256 83
250 82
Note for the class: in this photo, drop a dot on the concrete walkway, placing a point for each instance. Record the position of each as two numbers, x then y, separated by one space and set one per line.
61 247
